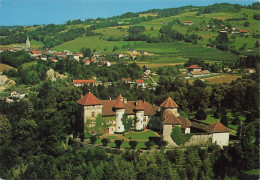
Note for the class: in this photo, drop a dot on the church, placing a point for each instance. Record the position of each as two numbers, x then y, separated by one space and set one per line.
141 111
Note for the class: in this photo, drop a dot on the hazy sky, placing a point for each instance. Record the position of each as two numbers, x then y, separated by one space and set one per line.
29 12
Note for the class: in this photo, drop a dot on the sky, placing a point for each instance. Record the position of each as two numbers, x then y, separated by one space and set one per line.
30 12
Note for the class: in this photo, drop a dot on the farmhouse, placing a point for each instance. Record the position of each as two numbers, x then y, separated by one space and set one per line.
194 68
36 53
245 32
140 112
187 22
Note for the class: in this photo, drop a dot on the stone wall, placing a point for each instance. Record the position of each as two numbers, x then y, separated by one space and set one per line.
201 139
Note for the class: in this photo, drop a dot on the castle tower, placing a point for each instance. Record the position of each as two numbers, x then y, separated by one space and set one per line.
139 115
91 105
167 107
119 109
28 44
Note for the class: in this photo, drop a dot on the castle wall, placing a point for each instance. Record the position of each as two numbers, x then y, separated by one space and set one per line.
91 112
221 139
139 120
119 124
166 112
201 139
167 130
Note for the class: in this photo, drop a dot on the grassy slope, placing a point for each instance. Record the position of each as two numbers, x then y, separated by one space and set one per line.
176 49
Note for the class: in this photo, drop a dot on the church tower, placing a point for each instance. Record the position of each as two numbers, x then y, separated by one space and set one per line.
28 44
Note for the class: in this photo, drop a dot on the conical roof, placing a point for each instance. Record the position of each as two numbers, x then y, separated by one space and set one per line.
139 106
216 127
119 97
169 103
88 100
119 105
171 119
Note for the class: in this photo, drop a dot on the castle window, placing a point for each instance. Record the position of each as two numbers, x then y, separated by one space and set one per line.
93 114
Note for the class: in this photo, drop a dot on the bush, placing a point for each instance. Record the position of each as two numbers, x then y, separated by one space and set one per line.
93 139
149 144
163 144
224 120
155 140
201 115
105 141
133 144
178 137
118 143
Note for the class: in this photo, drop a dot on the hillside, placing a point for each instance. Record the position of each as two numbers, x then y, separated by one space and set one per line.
112 34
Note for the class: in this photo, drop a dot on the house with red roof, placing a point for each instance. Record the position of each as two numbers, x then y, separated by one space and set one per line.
245 32
140 82
194 67
36 53
188 23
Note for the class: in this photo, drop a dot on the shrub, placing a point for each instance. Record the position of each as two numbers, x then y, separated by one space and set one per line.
201 115
178 137
236 121
133 144
155 140
163 144
149 144
93 139
105 141
118 143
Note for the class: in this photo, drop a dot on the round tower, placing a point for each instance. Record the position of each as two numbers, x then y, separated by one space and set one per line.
168 107
119 109
139 115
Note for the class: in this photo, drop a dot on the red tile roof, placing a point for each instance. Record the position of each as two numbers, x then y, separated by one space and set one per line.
171 119
244 31
119 105
127 79
187 21
169 103
119 97
139 106
139 81
89 99
83 81
194 67
216 127
149 109
36 52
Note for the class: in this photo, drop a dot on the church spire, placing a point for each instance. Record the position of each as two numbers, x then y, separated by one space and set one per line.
28 45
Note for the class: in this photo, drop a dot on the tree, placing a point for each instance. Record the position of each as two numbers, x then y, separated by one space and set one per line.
5 129
236 121
224 120
133 144
201 115
246 24
105 141
256 44
118 143
148 145
93 139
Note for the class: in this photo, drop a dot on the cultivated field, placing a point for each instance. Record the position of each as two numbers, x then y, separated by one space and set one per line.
222 79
